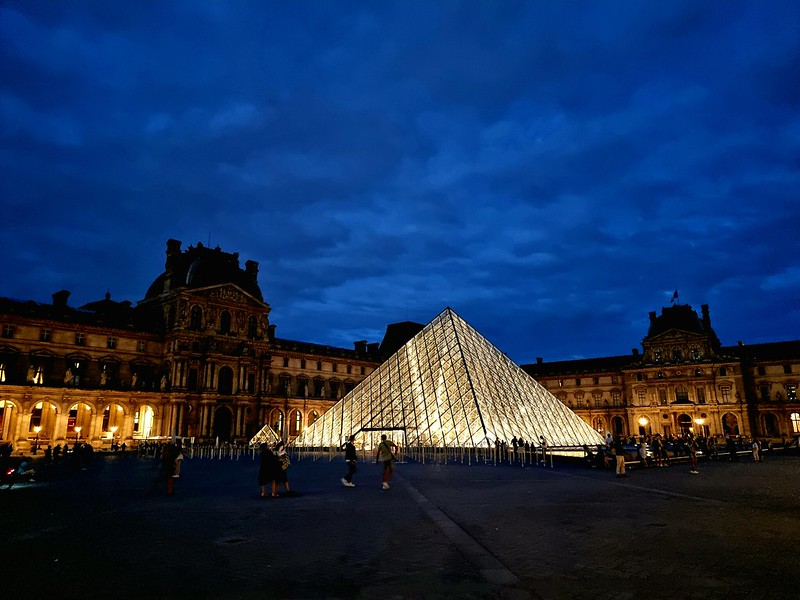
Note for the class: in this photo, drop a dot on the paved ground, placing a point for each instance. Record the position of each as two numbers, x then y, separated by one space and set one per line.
451 532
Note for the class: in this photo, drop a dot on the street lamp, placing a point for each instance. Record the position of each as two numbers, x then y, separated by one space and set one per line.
113 430
77 433
643 421
37 429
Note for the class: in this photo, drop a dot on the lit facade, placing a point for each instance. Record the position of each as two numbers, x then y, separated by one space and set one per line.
197 357
683 381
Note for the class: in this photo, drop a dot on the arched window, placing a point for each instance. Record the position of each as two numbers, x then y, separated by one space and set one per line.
723 371
771 425
277 422
730 424
681 395
295 422
794 419
225 322
312 417
684 424
196 318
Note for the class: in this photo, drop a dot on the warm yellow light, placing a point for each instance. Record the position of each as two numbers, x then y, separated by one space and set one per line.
78 429
114 429
643 421
37 429
699 421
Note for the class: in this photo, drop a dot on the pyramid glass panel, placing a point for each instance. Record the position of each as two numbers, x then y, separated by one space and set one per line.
449 387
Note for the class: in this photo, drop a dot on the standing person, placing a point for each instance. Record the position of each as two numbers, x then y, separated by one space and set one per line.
350 458
280 472
266 468
385 455
543 444
693 456
168 455
619 450
756 448
643 452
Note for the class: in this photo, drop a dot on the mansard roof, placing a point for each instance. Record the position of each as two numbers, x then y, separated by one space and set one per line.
580 366
202 267
772 351
103 313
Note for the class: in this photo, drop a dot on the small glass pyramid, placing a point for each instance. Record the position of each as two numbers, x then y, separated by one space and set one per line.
266 435
449 387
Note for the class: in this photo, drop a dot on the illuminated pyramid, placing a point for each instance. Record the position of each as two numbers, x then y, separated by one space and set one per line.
266 435
449 387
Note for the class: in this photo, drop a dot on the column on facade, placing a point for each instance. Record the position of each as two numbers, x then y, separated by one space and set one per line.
60 433
9 421
21 427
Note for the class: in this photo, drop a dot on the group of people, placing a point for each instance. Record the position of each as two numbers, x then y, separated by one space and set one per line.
272 470
385 454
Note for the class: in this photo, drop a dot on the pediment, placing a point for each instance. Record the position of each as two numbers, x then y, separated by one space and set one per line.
228 293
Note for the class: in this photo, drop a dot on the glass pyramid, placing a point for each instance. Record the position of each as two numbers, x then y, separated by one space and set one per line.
449 387
266 435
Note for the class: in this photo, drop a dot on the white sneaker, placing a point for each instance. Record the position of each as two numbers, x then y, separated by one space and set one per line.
386 485
344 482
350 484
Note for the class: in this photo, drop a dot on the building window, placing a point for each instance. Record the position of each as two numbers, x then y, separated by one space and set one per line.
334 390
726 394
762 370
285 361
596 380
723 371
111 343
319 365
578 381
787 369
639 377
642 395
613 380
696 354
36 417
681 395
319 387
791 392
657 356
312 417
560 383
140 346
698 373
765 393
2 373
45 335
225 322
794 418
8 331
662 397
676 356
363 370
302 363
136 422
701 395
80 339
252 328
38 375
195 318
616 398
335 367
349 369
660 375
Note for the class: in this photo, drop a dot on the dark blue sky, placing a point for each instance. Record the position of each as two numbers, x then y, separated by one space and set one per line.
550 170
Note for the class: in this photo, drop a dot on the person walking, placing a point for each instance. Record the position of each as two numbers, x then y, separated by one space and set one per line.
350 458
385 455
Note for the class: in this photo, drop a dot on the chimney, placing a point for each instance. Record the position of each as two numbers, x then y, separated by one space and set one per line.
271 332
635 351
706 316
361 346
60 298
251 269
539 360
652 317
173 253
373 349
740 343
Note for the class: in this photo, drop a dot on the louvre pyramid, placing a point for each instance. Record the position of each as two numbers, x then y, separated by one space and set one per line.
449 387
266 435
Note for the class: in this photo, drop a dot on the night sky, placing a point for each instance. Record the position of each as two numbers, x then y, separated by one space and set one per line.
552 171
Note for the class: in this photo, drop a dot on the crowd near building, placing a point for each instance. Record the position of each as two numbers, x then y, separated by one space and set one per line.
199 358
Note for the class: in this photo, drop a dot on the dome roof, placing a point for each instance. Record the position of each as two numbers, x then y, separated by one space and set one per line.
680 317
200 267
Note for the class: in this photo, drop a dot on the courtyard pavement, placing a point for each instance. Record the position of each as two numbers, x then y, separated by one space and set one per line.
454 531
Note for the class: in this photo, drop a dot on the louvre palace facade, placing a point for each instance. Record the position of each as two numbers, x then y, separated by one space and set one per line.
197 357
683 381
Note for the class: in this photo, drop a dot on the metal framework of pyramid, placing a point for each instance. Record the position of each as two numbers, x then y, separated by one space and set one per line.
449 387
266 435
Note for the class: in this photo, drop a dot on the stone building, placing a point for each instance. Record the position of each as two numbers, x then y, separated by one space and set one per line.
683 381
197 357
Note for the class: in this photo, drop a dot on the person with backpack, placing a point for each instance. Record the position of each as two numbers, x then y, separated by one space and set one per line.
385 454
